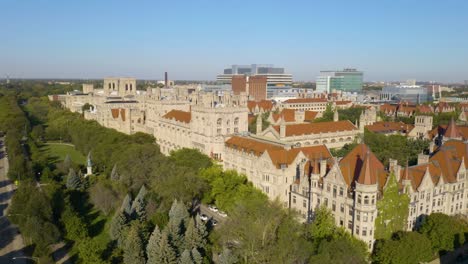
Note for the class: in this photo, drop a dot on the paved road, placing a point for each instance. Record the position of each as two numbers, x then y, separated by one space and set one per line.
11 242
211 215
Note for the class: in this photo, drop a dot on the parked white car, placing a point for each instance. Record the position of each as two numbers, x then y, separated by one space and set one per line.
222 214
203 217
213 208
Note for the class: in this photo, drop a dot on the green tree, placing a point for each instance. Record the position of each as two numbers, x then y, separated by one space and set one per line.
191 159
339 251
444 232
133 247
73 181
127 205
165 253
403 248
139 204
185 258
90 251
392 210
227 257
323 225
196 256
114 174
118 223
152 249
67 163
327 115
192 237
76 229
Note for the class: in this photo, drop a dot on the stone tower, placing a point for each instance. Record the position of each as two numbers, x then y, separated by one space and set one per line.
89 165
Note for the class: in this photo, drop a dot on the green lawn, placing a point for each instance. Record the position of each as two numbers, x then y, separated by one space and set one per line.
58 152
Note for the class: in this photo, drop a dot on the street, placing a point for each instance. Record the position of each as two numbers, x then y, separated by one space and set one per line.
11 242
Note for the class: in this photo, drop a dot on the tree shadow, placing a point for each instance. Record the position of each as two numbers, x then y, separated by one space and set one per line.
25 251
61 252
5 196
4 183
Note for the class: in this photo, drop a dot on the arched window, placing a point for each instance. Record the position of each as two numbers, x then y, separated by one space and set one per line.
110 87
366 199
236 121
113 86
227 122
359 199
126 87
131 87
219 121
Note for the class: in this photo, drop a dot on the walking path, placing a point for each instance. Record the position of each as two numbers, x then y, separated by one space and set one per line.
11 242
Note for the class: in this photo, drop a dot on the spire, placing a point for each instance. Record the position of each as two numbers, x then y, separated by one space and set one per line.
365 176
452 130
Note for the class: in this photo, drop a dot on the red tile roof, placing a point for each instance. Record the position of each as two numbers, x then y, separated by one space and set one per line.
389 127
178 115
266 105
317 128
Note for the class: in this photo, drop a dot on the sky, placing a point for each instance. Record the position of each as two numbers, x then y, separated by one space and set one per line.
197 39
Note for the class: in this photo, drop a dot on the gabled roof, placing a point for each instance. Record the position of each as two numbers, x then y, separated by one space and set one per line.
452 130
363 166
266 105
178 115
317 128
284 156
250 145
389 127
287 114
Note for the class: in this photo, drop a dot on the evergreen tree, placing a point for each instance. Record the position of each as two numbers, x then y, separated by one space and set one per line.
73 181
226 257
152 248
139 204
127 205
133 248
196 256
192 237
393 210
67 162
114 174
165 253
185 258
118 223
178 217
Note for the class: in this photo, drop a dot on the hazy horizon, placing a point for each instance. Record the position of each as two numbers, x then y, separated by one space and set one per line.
397 40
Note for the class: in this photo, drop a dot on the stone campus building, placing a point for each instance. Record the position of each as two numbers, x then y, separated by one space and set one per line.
290 160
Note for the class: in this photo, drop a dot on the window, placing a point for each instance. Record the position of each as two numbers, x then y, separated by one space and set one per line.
219 121
218 131
359 199
364 216
326 201
373 199
328 187
228 130
350 225
342 208
350 211
341 191
357 230
366 199
334 191
294 199
227 122
358 216
341 222
364 231
334 206
304 203
236 121
236 130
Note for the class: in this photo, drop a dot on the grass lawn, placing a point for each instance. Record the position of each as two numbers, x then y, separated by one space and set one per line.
58 152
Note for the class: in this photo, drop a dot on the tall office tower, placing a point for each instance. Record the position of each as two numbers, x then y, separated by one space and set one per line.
239 84
275 76
345 80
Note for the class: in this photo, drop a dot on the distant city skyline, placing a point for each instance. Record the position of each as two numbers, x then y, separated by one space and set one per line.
196 40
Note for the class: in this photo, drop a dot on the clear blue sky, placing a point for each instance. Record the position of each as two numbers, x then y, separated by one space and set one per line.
196 39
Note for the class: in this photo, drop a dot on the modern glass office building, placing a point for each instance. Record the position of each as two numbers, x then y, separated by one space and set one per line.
349 80
405 93
275 76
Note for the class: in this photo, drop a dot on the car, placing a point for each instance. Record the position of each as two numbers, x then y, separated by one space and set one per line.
222 214
213 208
203 217
214 222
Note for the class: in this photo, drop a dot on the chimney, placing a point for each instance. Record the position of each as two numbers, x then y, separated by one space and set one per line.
282 128
323 167
165 79
259 124
431 147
